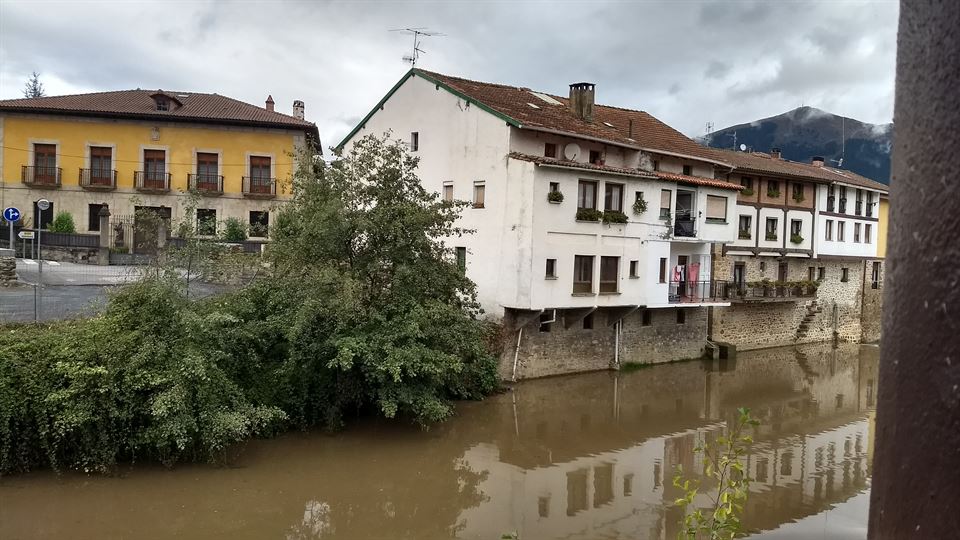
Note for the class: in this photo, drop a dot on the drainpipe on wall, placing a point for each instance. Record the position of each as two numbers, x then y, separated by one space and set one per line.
516 356
616 345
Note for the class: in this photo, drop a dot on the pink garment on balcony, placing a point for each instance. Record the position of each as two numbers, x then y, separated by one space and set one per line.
693 272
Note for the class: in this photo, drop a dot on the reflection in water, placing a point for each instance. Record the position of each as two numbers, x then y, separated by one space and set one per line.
588 456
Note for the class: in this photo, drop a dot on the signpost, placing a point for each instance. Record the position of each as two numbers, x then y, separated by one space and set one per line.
12 215
43 205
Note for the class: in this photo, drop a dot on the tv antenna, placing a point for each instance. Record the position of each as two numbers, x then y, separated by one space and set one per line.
418 34
734 135
843 143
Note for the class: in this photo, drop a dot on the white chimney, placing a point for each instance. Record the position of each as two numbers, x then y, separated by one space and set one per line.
298 109
817 161
269 103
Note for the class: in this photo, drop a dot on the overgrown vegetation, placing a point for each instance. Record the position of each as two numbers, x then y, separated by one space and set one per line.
63 223
364 311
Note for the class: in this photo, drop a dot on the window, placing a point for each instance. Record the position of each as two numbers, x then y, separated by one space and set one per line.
745 227
207 171
163 105
831 198
101 165
716 209
551 269
843 200
665 196
875 275
771 229
609 274
795 227
587 195
828 230
259 223
554 187
858 207
414 141
746 182
773 188
763 266
681 316
583 274
869 204
155 165
595 157
550 149
44 162
206 221
93 217
856 233
628 485
261 177
656 164
821 273
543 506
461 258
811 273
786 464
613 197
479 193
844 274
840 231
448 191
588 322
663 270
634 268
687 170
797 192
867 229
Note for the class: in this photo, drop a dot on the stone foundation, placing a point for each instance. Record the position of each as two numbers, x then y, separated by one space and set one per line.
555 349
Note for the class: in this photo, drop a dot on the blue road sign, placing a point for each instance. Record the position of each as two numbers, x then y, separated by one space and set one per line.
11 214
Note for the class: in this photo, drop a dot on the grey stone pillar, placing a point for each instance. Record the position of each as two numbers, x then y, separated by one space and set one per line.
104 254
916 468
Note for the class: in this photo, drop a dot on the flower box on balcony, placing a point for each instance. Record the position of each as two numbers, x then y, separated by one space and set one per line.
555 197
614 216
744 235
771 237
796 239
747 192
589 214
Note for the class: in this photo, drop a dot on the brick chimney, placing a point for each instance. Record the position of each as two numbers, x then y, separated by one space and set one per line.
581 100
298 109
269 103
817 161
775 153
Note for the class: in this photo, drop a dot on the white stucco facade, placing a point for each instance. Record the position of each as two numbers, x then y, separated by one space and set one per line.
860 229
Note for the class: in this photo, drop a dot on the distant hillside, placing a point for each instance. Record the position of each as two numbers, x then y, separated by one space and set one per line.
807 131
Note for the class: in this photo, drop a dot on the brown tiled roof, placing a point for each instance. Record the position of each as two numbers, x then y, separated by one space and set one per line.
625 127
762 163
679 178
139 104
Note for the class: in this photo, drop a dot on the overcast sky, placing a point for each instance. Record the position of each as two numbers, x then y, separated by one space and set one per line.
685 62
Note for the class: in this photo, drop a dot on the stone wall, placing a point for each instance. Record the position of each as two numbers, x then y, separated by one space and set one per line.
555 349
754 325
8 268
872 303
71 254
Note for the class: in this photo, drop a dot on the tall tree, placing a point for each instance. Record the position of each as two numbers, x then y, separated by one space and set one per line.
33 87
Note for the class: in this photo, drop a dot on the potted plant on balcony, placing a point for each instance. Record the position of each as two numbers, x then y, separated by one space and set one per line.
773 193
747 192
812 287
743 235
797 287
556 197
780 288
796 239
614 216
771 236
589 214
798 197
766 287
640 205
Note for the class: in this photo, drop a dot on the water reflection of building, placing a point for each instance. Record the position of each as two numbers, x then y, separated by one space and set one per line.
577 459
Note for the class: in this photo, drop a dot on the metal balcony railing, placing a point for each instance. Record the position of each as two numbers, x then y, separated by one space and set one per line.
44 177
684 227
151 180
685 292
258 186
98 179
208 184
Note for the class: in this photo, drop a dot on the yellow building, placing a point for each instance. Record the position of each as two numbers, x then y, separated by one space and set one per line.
883 215
146 149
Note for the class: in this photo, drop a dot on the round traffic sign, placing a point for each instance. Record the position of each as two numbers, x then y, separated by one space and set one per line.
11 214
43 205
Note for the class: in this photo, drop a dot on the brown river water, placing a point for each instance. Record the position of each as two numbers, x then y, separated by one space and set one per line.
575 457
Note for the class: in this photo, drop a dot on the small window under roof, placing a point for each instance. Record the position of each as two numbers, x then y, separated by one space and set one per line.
533 106
546 98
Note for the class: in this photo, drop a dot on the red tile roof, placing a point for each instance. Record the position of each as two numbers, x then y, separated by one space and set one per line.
637 173
636 129
140 104
760 162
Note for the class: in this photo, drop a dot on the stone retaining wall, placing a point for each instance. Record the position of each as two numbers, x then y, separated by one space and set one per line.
8 268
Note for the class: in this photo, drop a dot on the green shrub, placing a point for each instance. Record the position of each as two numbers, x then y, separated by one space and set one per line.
555 196
63 223
796 239
614 216
233 230
589 214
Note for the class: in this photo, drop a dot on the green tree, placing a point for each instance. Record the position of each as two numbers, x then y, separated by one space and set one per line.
234 230
723 467
63 223
33 87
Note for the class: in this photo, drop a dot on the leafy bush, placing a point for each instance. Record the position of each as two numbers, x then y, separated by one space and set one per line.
555 196
796 239
589 214
639 205
234 230
63 223
614 216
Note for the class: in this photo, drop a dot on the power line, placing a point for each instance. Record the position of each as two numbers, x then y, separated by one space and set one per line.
140 161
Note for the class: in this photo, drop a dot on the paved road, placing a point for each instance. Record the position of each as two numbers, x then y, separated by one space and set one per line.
65 273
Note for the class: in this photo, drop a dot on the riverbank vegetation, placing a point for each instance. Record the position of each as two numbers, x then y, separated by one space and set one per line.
362 311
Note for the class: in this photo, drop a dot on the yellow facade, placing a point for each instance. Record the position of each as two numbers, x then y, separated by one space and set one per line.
181 141
883 215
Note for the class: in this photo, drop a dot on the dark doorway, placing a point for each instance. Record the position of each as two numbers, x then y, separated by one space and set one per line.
146 223
739 276
782 272
682 282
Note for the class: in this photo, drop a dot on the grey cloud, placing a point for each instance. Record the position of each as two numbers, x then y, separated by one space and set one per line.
716 70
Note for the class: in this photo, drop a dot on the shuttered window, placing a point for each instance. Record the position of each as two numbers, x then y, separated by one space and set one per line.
665 195
716 208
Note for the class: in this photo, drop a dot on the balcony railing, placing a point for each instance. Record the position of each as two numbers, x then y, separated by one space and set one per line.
98 179
686 292
208 184
831 203
684 227
42 177
151 181
257 186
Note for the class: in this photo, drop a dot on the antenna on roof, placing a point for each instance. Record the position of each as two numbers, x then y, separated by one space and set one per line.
734 135
417 34
709 128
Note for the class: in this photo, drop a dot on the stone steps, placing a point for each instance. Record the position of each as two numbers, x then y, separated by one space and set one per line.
813 309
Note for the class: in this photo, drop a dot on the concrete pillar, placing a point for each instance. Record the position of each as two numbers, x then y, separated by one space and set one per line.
103 257
916 468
